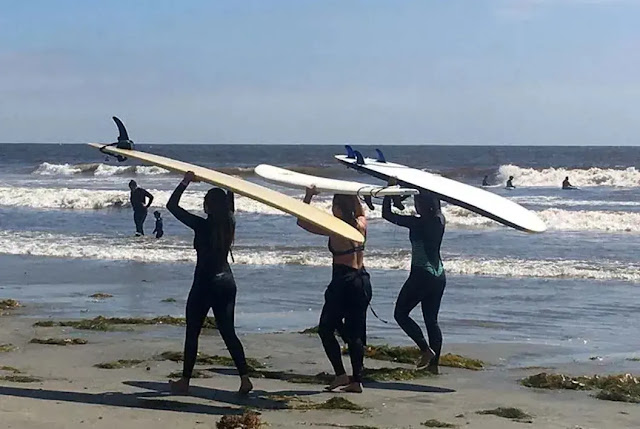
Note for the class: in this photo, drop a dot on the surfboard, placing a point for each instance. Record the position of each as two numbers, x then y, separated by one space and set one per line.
313 215
293 179
474 199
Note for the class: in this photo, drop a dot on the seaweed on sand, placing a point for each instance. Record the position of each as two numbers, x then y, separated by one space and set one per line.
412 354
205 359
508 413
59 341
101 323
621 387
119 364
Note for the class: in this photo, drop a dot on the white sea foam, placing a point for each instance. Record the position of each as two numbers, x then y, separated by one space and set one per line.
86 199
97 169
627 177
166 251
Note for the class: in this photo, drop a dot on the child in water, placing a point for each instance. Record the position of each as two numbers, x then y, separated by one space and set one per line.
158 231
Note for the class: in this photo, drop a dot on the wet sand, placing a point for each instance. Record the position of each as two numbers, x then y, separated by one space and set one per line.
73 393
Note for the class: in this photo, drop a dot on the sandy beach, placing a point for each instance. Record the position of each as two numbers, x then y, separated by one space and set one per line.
72 393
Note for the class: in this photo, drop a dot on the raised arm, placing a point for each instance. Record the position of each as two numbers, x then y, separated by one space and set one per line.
394 218
181 214
307 226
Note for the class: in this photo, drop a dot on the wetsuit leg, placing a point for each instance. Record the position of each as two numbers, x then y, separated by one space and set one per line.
223 305
197 309
430 309
410 296
138 218
357 297
330 320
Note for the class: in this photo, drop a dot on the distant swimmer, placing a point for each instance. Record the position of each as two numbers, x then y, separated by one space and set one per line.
485 181
510 183
213 284
347 297
426 282
567 185
158 231
140 205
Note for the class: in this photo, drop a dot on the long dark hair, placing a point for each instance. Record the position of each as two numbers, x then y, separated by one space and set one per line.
350 207
223 227
429 203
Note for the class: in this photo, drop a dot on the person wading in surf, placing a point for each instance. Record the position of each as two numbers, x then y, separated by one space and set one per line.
426 282
213 284
347 296
140 205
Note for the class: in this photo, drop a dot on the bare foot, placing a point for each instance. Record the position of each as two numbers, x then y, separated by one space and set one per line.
354 387
180 387
245 385
425 359
340 380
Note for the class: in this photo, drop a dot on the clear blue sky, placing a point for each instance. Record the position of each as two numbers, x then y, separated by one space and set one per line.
302 71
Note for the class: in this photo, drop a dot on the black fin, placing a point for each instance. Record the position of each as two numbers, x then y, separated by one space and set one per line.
380 156
350 153
121 129
359 157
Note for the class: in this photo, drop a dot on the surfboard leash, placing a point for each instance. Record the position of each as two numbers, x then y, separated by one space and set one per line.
375 314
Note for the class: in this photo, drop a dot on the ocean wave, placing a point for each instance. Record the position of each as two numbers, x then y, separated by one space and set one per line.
627 177
167 251
553 201
87 199
97 169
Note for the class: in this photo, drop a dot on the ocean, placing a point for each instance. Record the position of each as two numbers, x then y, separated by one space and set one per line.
66 232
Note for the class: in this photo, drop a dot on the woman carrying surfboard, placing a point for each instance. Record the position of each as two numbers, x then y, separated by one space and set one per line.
426 281
213 284
347 296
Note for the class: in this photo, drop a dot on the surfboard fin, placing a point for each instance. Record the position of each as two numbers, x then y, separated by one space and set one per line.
367 200
380 156
359 157
123 141
350 152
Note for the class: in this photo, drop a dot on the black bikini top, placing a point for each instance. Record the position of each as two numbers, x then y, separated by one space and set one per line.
354 249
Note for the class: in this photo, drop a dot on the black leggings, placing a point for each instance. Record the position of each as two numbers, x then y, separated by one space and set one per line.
138 217
422 288
218 294
346 298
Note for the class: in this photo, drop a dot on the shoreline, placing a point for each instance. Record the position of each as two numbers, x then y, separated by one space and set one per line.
74 393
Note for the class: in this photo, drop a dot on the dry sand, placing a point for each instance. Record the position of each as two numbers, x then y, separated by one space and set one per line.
75 394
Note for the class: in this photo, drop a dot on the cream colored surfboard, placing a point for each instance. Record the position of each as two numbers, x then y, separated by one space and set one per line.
267 196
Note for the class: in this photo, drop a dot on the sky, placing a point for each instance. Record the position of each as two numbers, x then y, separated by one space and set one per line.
498 72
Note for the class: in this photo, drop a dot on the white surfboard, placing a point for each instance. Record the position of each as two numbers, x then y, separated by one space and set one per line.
293 179
475 199
267 196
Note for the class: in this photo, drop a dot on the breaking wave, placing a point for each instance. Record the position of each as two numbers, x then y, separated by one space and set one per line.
627 177
96 169
100 247
86 199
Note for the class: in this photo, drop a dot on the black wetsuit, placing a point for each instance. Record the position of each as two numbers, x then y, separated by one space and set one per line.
158 231
137 199
213 288
346 299
426 281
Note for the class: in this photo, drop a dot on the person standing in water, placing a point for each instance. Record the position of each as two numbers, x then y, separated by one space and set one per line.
348 295
140 205
158 231
485 181
426 282
510 183
213 284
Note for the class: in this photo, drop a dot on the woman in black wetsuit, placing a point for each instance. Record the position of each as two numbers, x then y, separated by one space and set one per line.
213 284
426 281
347 296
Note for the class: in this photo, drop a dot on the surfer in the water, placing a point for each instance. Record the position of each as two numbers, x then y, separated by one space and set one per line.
426 282
347 296
485 181
566 184
140 205
213 284
158 231
510 183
